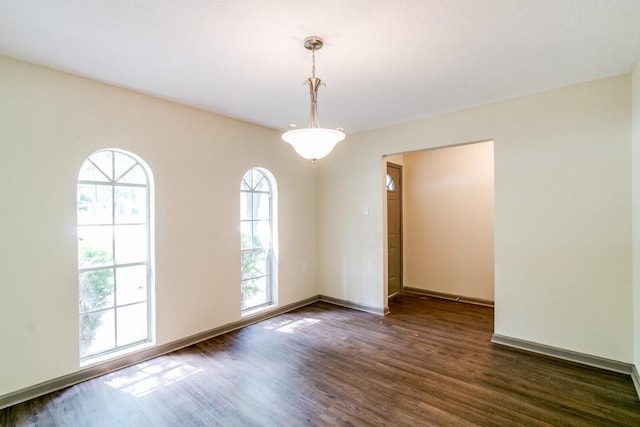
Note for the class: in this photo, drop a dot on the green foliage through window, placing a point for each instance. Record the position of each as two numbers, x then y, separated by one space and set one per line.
96 291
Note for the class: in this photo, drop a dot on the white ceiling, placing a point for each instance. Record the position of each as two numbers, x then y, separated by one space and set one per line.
384 61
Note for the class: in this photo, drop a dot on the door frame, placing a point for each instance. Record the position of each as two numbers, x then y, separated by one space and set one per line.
401 244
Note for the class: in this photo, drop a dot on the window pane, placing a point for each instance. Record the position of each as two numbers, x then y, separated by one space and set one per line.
131 284
261 206
131 243
94 204
89 172
254 292
262 234
131 205
391 185
132 324
134 176
246 182
246 237
123 163
248 177
97 332
260 182
96 289
245 205
95 245
104 161
253 263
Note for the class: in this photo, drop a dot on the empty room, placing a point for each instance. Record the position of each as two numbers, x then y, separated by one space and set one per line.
282 213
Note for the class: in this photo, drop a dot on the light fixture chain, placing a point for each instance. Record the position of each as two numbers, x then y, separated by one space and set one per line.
313 62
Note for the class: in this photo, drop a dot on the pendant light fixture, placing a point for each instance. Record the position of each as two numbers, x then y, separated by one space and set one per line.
313 142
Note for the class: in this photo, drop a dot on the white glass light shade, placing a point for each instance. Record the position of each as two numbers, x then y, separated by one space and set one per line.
313 143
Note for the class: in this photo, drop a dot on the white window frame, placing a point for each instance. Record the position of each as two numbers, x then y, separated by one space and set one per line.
112 183
271 250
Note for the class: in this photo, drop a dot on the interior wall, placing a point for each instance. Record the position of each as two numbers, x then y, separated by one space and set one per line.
448 221
562 212
49 123
635 143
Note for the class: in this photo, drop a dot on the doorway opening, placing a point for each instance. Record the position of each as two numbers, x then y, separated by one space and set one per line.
446 241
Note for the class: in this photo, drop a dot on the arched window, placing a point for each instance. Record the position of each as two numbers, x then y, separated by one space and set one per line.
114 252
257 223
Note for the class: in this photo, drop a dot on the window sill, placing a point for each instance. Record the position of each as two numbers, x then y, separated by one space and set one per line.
100 358
257 310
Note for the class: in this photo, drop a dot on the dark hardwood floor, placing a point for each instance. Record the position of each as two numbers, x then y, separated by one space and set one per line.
430 362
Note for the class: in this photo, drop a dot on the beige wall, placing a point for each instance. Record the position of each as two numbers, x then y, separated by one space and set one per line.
49 122
563 259
448 220
562 213
635 143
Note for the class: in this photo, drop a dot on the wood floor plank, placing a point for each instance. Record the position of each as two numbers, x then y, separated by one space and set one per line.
430 362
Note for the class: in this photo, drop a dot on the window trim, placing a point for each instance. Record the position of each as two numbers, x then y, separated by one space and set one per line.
272 250
114 266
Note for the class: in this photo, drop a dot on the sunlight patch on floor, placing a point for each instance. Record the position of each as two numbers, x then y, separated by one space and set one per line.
291 327
149 376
